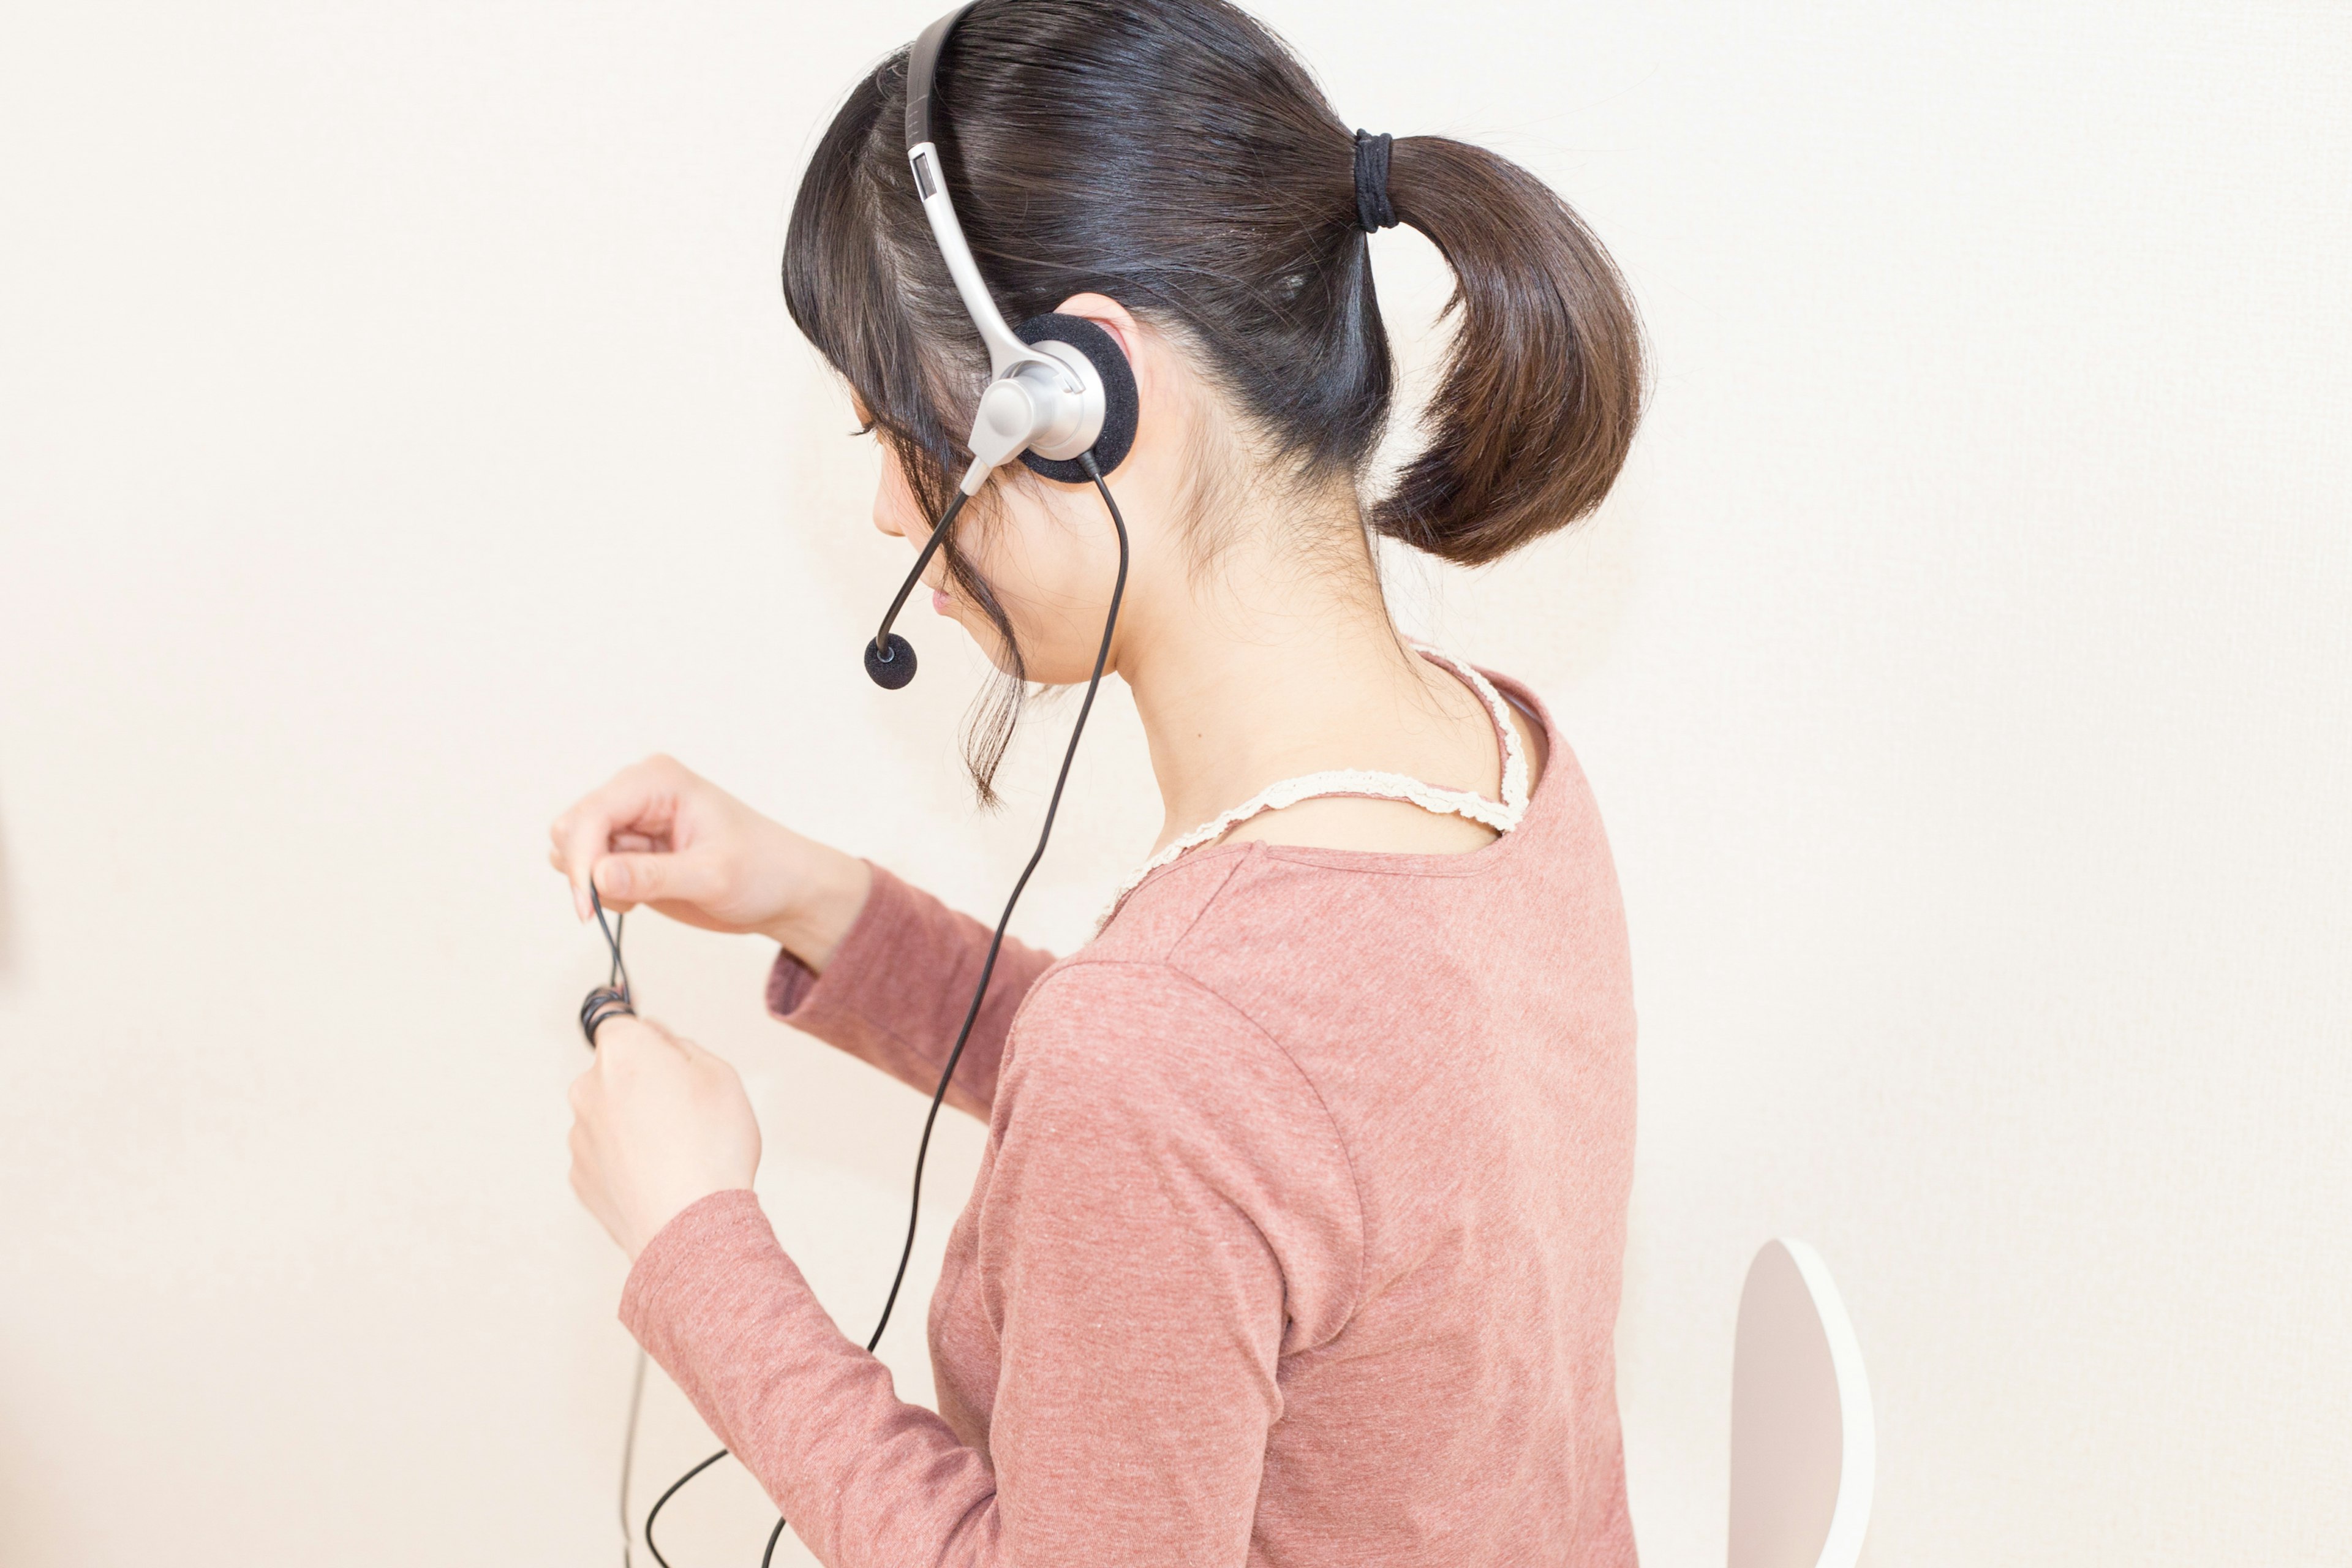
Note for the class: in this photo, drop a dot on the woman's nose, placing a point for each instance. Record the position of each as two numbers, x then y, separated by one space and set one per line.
894 505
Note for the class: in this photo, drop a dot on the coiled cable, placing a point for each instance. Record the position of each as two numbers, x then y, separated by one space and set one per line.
964 1035
612 999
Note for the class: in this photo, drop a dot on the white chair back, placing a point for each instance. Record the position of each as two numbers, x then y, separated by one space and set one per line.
1804 1452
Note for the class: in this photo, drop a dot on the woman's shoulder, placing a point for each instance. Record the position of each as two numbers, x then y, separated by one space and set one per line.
1128 979
1124 1045
1134 1004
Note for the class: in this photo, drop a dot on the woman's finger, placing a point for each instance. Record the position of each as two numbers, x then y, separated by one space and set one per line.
625 1034
641 799
619 1040
652 878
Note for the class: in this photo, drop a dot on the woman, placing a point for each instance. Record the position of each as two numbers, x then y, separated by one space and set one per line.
1299 1231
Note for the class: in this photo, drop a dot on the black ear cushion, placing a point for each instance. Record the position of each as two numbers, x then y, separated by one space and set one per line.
1117 435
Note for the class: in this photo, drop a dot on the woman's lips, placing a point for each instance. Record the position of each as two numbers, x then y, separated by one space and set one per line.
940 602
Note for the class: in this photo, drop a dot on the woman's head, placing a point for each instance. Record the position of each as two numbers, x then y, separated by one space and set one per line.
1172 172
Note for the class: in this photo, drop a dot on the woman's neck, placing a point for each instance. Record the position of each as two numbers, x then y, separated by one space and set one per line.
1276 668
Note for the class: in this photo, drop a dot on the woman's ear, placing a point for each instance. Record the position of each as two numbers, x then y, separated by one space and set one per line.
1112 317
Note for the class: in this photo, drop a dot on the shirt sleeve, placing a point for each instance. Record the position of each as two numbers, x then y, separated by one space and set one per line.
1167 1211
895 992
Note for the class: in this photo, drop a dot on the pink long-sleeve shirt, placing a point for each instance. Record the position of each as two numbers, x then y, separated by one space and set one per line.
1298 1238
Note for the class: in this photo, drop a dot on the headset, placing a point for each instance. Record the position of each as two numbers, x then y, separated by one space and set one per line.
1061 397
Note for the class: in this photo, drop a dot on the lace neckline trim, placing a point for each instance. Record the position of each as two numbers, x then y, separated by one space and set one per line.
1502 815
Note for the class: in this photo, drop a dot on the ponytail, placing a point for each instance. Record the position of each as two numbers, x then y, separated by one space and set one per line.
1541 390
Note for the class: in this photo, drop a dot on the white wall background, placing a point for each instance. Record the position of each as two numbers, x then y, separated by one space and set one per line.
400 427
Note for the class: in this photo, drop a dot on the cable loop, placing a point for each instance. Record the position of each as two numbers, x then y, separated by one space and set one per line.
612 999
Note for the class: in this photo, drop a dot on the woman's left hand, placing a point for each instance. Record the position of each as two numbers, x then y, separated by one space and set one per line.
657 1124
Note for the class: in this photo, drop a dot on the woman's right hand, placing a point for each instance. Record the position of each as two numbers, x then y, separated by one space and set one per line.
655 833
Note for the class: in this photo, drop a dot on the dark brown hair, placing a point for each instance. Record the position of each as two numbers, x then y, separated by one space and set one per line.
1176 157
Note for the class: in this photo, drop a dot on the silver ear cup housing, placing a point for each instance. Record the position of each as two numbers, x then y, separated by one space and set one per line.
1067 422
1053 406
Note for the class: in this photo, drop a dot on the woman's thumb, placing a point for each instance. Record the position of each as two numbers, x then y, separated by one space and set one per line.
636 878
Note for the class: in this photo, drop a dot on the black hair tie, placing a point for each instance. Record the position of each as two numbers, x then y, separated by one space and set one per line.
1373 211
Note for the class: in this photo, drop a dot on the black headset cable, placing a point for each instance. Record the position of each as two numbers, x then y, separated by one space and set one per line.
971 1013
